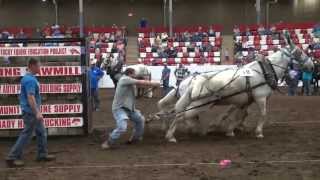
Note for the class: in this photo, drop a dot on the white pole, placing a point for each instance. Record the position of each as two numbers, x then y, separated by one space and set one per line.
170 19
81 25
56 11
258 9
165 13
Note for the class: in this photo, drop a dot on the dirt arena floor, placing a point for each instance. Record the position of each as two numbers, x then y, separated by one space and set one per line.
289 151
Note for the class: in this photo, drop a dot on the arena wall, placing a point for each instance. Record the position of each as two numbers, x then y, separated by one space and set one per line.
186 12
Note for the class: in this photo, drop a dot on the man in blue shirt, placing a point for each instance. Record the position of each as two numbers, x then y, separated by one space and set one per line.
95 75
165 79
30 102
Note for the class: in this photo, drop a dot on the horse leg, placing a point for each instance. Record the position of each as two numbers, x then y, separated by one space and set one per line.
222 118
237 119
180 106
262 104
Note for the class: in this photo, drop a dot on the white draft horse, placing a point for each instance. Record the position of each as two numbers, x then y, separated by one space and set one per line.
239 87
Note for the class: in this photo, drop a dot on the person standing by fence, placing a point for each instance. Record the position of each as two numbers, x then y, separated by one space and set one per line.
165 78
181 72
307 78
30 101
95 75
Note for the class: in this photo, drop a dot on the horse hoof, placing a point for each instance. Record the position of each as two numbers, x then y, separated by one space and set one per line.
259 136
172 140
230 134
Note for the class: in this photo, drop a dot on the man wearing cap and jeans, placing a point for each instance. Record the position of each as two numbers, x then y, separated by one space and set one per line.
123 108
30 102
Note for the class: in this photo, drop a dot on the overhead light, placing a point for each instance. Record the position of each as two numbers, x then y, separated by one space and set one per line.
44 0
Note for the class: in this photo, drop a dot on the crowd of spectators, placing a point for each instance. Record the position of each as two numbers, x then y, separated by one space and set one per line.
190 43
248 41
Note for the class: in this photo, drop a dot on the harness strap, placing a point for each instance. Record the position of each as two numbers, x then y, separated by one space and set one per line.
248 89
222 98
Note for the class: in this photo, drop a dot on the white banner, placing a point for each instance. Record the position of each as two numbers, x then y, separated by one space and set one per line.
44 88
64 122
40 51
44 109
44 71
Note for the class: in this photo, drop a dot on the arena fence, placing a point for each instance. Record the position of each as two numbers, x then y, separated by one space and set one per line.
63 84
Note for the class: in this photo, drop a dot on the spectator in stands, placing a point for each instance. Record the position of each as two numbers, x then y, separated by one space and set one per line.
236 31
112 37
181 73
158 41
171 52
274 33
37 33
307 78
30 102
164 37
316 30
261 30
162 53
21 35
186 36
196 37
211 32
143 23
95 75
202 33
114 26
165 79
5 34
68 33
190 48
248 32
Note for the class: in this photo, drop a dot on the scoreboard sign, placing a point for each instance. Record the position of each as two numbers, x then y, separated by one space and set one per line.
62 86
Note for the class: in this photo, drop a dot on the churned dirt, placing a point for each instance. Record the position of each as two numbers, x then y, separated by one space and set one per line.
289 151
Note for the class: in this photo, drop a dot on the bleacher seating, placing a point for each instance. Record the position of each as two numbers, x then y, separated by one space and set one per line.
266 43
189 45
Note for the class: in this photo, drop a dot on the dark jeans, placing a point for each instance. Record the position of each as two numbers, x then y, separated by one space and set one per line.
30 124
95 98
292 88
166 87
307 87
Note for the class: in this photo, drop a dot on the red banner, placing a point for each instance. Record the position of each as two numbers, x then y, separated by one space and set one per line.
40 51
44 71
45 109
63 122
44 88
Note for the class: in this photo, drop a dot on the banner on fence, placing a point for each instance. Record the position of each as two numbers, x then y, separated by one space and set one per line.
44 109
40 51
61 122
44 71
44 88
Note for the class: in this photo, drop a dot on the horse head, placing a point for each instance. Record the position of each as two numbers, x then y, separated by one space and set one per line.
297 54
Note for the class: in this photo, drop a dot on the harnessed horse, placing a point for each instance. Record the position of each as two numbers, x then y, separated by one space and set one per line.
240 87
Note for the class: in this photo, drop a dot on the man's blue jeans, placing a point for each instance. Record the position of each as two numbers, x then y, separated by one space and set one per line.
307 87
30 124
121 116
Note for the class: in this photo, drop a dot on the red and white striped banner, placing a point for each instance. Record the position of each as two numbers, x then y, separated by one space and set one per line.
44 71
63 122
40 51
44 109
44 88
